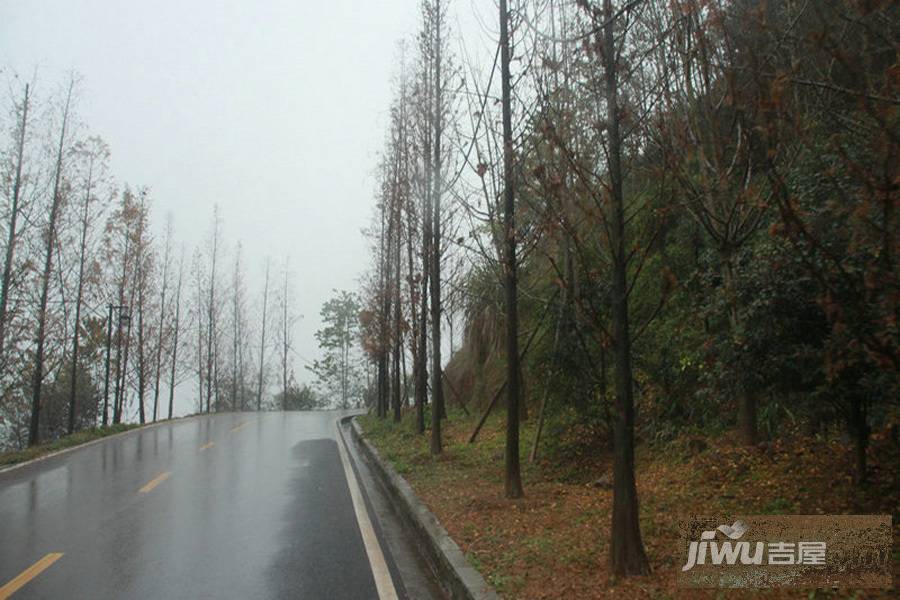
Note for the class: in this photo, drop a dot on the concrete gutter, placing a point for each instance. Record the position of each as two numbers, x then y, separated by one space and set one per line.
456 576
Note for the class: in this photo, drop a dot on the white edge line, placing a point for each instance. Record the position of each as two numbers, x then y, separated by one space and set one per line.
145 427
384 584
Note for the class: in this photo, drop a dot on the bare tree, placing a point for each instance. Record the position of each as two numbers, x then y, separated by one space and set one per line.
163 314
119 230
439 120
143 278
286 327
202 374
133 216
513 477
710 148
260 381
176 328
627 550
424 117
385 295
211 313
238 327
14 210
398 194
97 154
50 246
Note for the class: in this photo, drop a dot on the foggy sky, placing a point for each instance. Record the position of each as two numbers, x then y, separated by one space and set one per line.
275 110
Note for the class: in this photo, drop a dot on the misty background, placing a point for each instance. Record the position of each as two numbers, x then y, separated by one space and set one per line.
275 111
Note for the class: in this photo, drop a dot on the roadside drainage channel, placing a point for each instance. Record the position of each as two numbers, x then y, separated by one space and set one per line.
458 578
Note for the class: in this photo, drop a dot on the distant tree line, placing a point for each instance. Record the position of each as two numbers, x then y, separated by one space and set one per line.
100 318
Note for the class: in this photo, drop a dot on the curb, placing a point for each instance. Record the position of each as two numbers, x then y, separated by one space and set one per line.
456 576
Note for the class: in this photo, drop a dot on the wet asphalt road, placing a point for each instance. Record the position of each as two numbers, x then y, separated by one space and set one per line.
237 505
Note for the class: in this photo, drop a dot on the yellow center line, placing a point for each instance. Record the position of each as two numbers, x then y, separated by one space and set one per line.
155 482
28 574
241 426
207 445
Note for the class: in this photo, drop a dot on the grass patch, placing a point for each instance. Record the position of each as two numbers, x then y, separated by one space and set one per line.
778 506
68 441
554 543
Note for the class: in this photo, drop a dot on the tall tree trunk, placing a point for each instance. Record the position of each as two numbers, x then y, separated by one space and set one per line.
747 426
397 347
162 319
141 308
262 342
123 283
422 362
413 315
422 357
427 152
387 244
106 367
123 386
513 471
82 256
217 380
118 382
437 385
346 340
12 234
141 357
50 243
175 332
627 550
284 347
236 331
211 347
200 358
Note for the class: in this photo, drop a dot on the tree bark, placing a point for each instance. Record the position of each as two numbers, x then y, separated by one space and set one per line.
50 243
175 336
141 284
73 384
211 316
513 476
747 425
12 237
118 384
437 386
106 367
387 299
200 356
162 318
627 555
422 362
396 268
235 331
414 338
